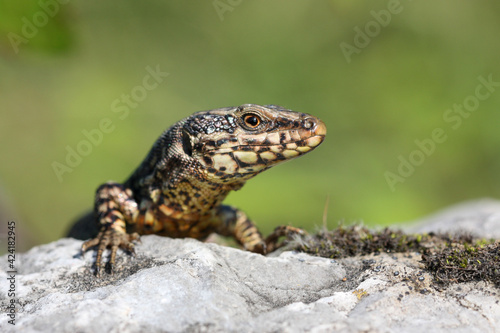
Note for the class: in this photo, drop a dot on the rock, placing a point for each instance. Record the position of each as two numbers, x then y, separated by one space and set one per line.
479 217
178 285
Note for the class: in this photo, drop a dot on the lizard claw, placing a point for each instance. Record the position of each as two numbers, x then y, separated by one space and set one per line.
113 238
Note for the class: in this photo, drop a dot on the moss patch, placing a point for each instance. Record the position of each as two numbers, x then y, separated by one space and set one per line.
357 240
463 262
451 259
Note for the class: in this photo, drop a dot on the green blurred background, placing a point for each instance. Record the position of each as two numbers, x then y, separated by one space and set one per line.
61 75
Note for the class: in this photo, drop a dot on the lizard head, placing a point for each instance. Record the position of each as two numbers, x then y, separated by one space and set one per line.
236 143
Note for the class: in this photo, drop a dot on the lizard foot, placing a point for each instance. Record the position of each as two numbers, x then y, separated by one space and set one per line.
257 246
113 238
280 231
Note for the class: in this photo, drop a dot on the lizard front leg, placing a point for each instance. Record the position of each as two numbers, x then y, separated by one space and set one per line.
114 207
234 222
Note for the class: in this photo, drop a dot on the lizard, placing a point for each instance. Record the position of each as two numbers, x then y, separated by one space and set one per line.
177 191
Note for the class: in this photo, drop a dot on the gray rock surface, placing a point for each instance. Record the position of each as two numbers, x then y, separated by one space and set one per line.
479 217
178 285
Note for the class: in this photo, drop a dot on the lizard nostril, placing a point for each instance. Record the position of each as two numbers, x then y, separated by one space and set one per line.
309 123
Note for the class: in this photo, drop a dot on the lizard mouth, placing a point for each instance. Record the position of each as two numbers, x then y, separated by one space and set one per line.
282 145
310 135
277 152
244 155
256 153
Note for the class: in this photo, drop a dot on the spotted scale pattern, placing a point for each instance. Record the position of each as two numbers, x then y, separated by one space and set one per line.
179 188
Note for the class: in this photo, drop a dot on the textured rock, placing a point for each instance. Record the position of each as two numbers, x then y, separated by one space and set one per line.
184 285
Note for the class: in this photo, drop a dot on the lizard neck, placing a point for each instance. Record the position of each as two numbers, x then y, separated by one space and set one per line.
195 197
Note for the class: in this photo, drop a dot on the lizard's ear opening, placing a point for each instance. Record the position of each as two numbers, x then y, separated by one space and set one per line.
187 146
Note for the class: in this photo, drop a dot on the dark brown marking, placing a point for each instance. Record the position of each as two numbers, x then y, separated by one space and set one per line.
280 157
260 161
221 142
208 161
301 143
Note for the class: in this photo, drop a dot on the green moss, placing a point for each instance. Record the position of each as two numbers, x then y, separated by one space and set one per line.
358 240
463 262
459 258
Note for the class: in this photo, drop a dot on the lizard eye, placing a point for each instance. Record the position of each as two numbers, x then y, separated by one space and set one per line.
251 120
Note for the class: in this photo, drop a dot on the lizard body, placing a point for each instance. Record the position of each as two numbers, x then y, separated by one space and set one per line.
178 189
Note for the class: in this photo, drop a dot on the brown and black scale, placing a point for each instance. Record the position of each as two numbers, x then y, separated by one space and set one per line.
179 188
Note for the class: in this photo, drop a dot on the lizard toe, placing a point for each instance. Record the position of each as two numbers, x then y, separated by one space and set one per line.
113 238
